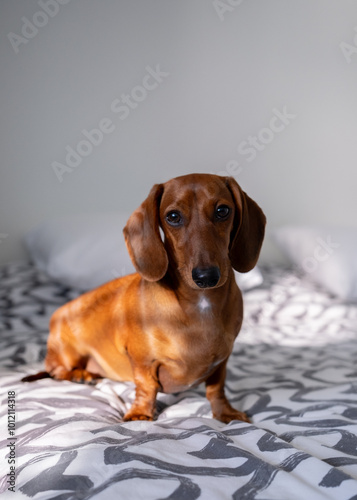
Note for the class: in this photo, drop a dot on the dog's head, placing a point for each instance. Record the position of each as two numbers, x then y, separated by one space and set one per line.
208 223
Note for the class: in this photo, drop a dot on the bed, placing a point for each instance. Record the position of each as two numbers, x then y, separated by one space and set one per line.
293 370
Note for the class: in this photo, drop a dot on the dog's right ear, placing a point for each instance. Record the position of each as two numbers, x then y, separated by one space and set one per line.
143 240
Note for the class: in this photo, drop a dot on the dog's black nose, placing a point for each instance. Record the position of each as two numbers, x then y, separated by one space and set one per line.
206 277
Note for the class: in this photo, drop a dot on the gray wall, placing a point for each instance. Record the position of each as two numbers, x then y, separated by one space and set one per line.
225 73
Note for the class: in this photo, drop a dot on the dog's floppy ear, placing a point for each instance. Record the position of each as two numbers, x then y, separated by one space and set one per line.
248 231
142 238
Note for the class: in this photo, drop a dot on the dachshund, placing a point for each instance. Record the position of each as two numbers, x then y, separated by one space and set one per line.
171 325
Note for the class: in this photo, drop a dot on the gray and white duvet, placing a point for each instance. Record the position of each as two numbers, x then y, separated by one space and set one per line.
293 370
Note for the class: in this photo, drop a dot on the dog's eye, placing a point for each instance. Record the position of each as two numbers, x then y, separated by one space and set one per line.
174 218
222 212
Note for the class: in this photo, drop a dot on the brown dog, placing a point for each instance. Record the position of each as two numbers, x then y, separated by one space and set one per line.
171 325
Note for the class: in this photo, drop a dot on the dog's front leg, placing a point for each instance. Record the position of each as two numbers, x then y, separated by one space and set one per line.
221 408
147 387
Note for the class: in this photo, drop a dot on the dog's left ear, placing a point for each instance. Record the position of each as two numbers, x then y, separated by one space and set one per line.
248 231
143 240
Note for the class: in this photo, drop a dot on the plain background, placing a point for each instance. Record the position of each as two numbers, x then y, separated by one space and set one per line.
230 64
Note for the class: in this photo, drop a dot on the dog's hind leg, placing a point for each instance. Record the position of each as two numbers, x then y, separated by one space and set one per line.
64 359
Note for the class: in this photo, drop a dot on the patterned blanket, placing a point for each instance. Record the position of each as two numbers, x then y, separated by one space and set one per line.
293 370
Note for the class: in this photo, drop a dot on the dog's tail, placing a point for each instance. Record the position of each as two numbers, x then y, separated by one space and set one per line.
36 376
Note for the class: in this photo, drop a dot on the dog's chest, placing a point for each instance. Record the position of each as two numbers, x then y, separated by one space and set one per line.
190 363
189 347
174 377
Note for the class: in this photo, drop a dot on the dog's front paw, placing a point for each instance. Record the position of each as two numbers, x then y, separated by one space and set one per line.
228 414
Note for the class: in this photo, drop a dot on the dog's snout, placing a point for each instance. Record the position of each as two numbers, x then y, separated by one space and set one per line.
206 277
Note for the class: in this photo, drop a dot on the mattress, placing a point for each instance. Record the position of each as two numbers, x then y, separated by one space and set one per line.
293 370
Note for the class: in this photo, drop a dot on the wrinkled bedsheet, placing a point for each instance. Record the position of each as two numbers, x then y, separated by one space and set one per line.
293 370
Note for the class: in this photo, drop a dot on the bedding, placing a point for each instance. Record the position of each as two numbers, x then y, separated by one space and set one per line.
326 253
293 370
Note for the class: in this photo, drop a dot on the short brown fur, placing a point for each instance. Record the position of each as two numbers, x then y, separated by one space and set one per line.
153 327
